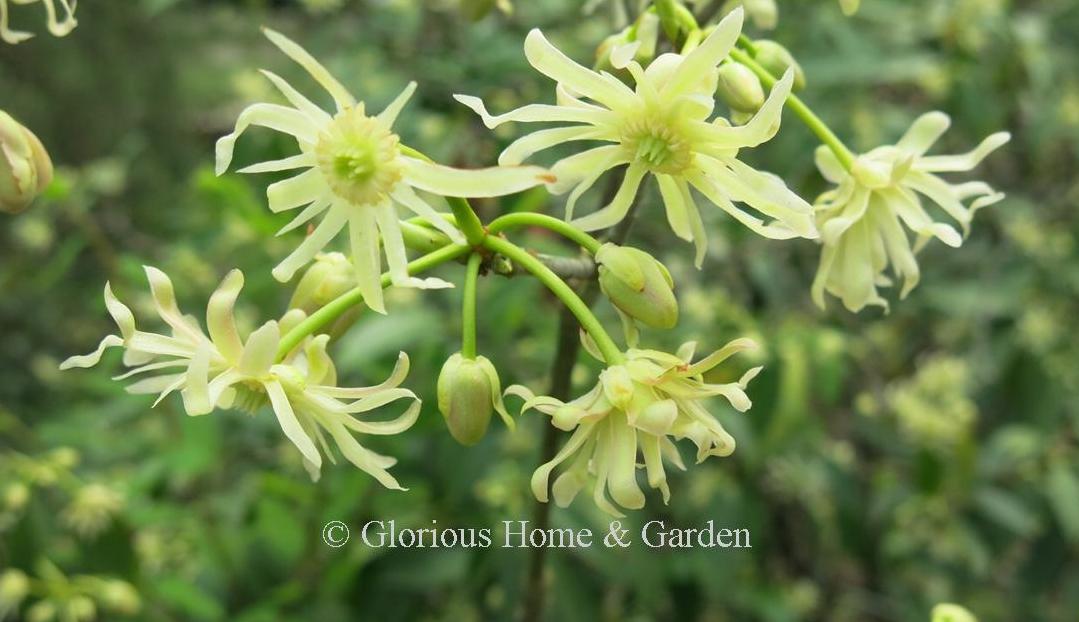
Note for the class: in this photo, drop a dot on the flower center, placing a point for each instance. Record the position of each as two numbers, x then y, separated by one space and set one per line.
357 155
249 398
656 144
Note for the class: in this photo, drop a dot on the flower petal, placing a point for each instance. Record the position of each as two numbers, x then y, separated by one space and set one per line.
290 425
260 350
619 206
220 322
366 260
331 225
279 118
706 56
474 183
925 131
340 95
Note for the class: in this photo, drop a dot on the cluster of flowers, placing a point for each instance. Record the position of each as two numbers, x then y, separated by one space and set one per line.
652 117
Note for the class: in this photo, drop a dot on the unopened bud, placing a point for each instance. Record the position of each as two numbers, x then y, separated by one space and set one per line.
25 167
638 285
777 59
740 88
14 586
850 7
764 13
468 392
947 612
16 495
329 276
120 596
636 43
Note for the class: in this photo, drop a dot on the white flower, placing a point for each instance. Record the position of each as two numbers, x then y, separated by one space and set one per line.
862 220
221 370
660 128
640 405
58 27
356 174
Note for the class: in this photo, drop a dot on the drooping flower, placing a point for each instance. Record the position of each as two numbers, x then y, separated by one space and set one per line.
641 406
57 26
221 370
356 173
863 220
661 128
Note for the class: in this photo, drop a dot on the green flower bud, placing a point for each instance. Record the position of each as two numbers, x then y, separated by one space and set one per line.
468 392
638 285
14 586
16 495
777 59
328 277
25 167
764 13
740 88
850 7
120 596
41 611
947 612
614 52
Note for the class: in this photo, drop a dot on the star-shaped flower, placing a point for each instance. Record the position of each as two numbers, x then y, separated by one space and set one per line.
355 175
664 128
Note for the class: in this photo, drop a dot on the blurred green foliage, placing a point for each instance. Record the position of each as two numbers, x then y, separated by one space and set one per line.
889 462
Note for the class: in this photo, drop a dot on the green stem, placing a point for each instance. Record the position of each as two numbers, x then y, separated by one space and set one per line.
468 307
611 352
812 121
467 220
336 307
532 219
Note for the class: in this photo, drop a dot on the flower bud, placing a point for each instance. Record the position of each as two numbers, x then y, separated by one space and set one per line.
740 87
16 495
850 7
777 59
468 392
635 43
638 285
120 596
764 13
947 612
14 586
329 276
25 167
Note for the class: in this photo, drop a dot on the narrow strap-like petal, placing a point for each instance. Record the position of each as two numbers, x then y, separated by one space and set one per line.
279 118
260 350
925 131
366 260
220 322
286 418
331 225
706 56
617 209
484 182
551 62
537 113
293 192
340 94
389 115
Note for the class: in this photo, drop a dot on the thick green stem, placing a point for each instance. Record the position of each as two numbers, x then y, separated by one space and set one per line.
611 352
812 121
532 219
467 220
333 309
468 307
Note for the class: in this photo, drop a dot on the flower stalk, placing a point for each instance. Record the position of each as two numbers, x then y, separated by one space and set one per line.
468 307
612 354
799 107
532 219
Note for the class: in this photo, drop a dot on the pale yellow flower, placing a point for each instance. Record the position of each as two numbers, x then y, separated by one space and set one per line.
356 173
92 509
641 406
57 26
221 370
863 220
664 128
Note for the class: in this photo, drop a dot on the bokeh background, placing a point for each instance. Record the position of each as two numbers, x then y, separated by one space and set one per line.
890 462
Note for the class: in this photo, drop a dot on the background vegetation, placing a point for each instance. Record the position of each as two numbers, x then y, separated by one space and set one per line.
889 461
